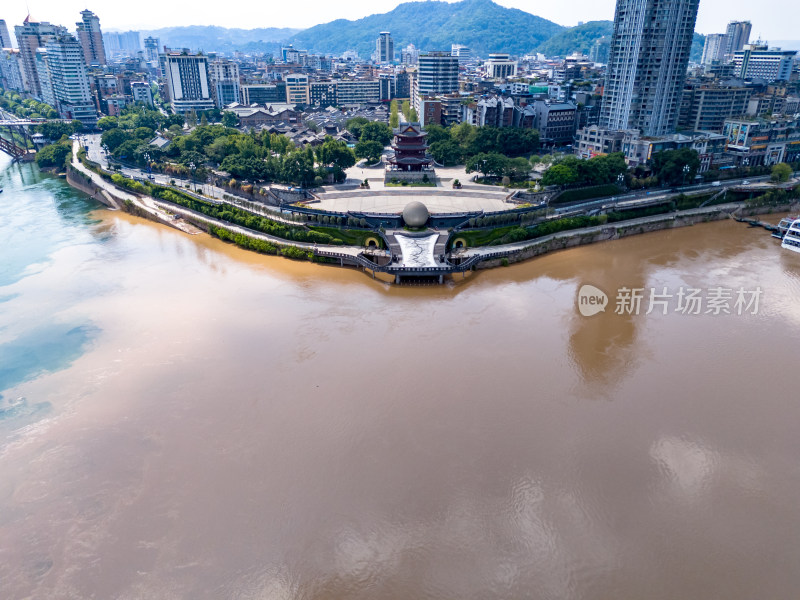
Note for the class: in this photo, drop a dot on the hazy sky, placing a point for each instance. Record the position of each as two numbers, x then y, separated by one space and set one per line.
772 19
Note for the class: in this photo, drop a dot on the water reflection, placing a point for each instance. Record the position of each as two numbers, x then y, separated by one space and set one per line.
242 426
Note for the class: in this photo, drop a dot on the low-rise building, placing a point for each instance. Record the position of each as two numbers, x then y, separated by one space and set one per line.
141 92
639 149
257 117
759 141
262 93
757 61
556 122
594 140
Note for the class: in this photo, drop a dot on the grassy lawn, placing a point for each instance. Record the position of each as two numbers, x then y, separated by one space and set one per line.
599 191
411 184
351 237
484 237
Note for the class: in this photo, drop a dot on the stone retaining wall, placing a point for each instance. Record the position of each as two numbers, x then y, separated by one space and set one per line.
609 232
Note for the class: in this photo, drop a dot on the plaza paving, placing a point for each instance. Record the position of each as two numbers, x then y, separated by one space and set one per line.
385 201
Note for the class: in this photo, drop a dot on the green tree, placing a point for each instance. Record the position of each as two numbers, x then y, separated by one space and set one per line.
370 149
447 152
436 133
781 172
490 163
355 125
394 117
113 138
413 116
559 174
335 153
406 109
229 119
54 155
295 168
462 133
513 141
56 130
376 131
107 123
675 166
518 168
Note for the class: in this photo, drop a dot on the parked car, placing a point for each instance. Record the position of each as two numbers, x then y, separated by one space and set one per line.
716 183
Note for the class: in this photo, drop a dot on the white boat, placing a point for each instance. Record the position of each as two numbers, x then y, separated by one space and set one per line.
791 240
783 227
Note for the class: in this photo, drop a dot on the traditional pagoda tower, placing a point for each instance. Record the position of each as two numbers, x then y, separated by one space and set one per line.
410 153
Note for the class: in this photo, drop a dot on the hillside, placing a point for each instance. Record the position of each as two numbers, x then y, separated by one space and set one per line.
576 39
480 24
582 37
211 38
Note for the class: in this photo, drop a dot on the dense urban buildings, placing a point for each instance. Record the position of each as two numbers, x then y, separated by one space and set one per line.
631 92
647 64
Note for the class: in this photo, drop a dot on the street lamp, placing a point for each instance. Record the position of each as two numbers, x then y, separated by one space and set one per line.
621 180
147 161
686 170
191 168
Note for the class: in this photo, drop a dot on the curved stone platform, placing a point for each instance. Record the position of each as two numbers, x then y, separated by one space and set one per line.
395 200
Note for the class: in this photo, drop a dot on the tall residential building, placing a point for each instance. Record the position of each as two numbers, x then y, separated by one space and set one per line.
5 37
437 73
10 74
647 64
598 53
187 82
756 61
151 45
224 78
31 36
384 47
462 53
737 35
714 48
91 38
70 80
43 76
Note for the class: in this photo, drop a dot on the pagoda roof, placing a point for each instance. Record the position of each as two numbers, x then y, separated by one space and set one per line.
410 130
413 146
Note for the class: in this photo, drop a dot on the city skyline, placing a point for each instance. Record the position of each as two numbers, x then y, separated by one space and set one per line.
713 15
